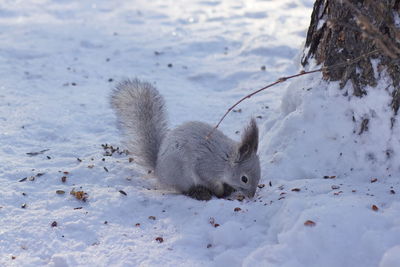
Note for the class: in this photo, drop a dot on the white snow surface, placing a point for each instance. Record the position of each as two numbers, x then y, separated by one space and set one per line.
59 61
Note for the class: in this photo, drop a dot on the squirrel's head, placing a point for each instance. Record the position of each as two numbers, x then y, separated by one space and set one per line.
245 162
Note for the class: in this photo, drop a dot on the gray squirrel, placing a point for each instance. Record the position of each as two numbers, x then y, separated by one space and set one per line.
184 158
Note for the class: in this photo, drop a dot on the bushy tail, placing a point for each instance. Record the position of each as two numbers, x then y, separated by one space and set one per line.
142 119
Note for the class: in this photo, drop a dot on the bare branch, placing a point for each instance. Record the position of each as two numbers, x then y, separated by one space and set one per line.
283 79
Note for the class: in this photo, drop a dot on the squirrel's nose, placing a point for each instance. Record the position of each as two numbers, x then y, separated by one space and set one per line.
251 193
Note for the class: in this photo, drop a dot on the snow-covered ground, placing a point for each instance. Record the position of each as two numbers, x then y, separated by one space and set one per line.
59 61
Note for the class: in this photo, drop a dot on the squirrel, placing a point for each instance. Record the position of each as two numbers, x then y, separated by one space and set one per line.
184 158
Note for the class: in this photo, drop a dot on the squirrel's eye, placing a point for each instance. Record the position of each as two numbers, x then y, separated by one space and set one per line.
244 179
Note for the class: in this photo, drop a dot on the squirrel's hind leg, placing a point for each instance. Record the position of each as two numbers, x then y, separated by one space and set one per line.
199 192
222 190
228 190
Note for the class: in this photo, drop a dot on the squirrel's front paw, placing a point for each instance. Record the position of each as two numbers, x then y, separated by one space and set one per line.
228 190
199 192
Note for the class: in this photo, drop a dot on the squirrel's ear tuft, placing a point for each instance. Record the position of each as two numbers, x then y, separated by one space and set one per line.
249 143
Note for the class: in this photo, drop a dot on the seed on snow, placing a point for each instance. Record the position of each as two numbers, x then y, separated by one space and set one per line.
309 223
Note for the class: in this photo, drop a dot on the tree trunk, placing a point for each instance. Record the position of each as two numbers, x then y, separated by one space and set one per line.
338 33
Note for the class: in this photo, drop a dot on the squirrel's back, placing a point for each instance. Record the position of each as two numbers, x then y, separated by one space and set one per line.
142 118
187 153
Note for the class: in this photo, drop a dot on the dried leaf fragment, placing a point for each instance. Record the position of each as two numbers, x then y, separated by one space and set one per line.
212 222
60 192
374 208
309 223
237 209
159 239
80 195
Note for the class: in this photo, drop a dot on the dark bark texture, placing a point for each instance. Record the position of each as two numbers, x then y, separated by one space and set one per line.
336 35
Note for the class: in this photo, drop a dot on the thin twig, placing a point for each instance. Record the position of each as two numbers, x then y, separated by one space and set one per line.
283 79
280 80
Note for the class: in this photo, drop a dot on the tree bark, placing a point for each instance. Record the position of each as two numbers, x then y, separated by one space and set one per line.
337 34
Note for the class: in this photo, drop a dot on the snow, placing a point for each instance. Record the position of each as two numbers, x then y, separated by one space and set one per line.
60 60
319 132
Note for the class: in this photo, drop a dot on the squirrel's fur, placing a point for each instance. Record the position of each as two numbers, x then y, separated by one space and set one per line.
141 116
184 158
